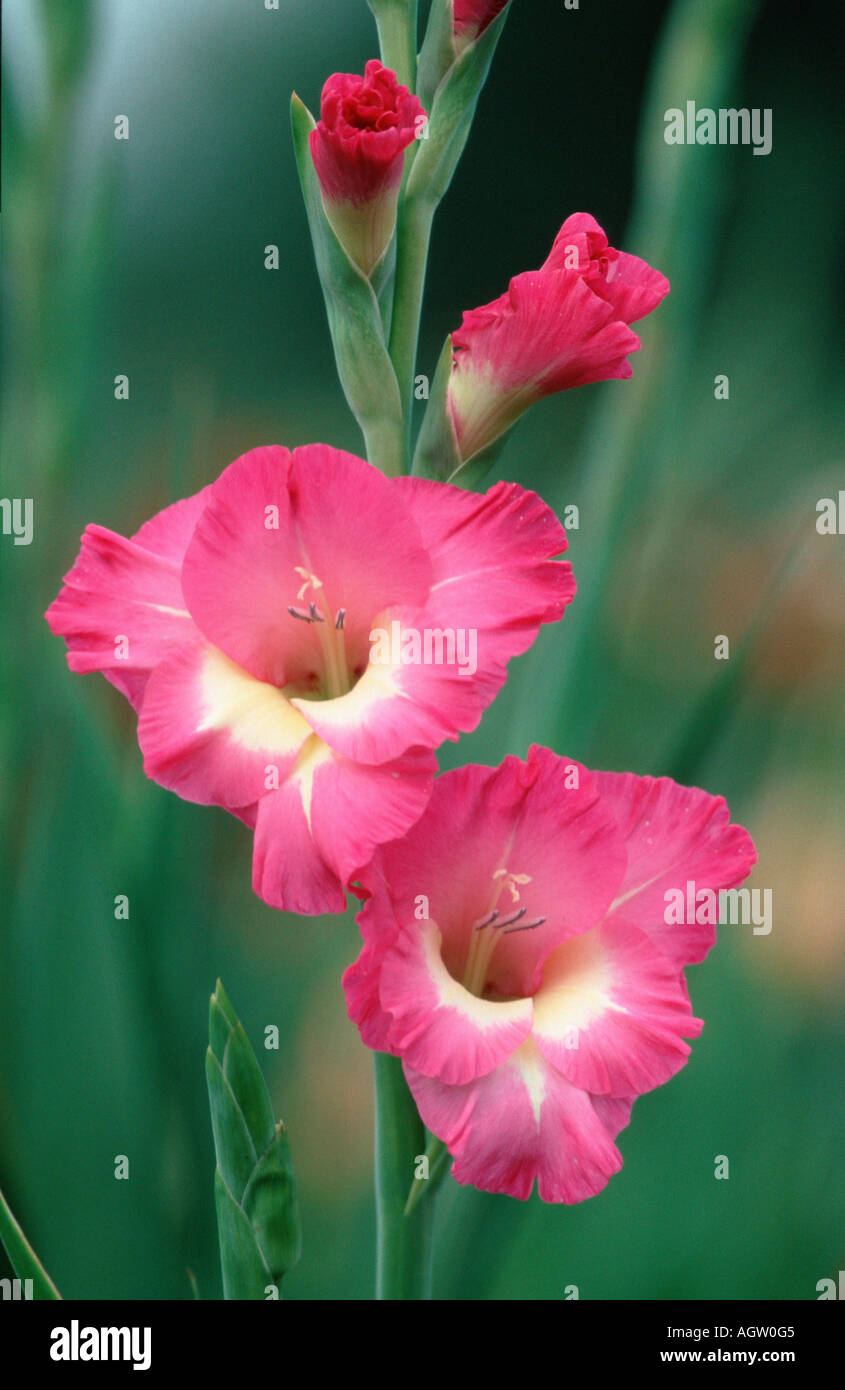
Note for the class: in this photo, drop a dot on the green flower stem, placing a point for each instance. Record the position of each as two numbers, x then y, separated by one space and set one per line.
413 236
397 34
404 1241
385 446
437 1155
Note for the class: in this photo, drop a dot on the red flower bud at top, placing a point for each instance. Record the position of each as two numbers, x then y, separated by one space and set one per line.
564 325
472 18
358 147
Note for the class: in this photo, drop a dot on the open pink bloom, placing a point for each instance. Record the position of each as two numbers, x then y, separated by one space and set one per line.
517 957
563 325
238 623
471 18
358 147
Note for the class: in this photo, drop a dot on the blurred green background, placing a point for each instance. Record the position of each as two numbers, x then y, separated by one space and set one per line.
697 518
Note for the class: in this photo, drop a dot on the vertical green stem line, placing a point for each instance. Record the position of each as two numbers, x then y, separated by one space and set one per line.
397 33
386 448
404 1240
413 237
404 1243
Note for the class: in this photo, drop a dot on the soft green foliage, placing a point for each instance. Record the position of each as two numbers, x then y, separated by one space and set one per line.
451 116
363 363
437 53
254 1182
22 1257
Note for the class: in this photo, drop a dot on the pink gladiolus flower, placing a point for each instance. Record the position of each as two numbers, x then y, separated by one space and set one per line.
471 18
518 957
358 147
238 623
561 326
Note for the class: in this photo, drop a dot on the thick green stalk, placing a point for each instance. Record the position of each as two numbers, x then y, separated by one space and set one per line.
385 446
404 1242
413 237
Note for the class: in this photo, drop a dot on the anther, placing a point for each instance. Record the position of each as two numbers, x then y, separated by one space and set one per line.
298 613
486 921
316 616
340 619
526 926
514 917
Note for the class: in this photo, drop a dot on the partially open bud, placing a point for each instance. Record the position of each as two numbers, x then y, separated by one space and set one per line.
471 18
564 325
358 147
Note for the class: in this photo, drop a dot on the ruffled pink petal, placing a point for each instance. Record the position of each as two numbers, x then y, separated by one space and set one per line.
438 1027
317 831
213 733
495 581
629 284
121 609
674 835
614 1112
366 124
612 1012
361 987
282 530
520 1123
288 870
548 333
168 533
379 924
495 568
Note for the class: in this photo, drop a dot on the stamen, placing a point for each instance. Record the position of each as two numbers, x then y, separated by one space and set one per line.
514 917
298 613
340 619
316 616
486 921
526 926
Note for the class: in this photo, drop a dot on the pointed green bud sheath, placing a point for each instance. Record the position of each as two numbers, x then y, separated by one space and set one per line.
358 148
460 40
355 320
254 1185
438 453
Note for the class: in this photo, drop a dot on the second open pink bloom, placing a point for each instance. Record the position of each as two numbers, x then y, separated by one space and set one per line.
517 957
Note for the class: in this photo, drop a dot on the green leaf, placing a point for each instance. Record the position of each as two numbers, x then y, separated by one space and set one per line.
355 320
397 32
451 115
245 1275
258 1217
236 1153
437 53
22 1257
436 454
